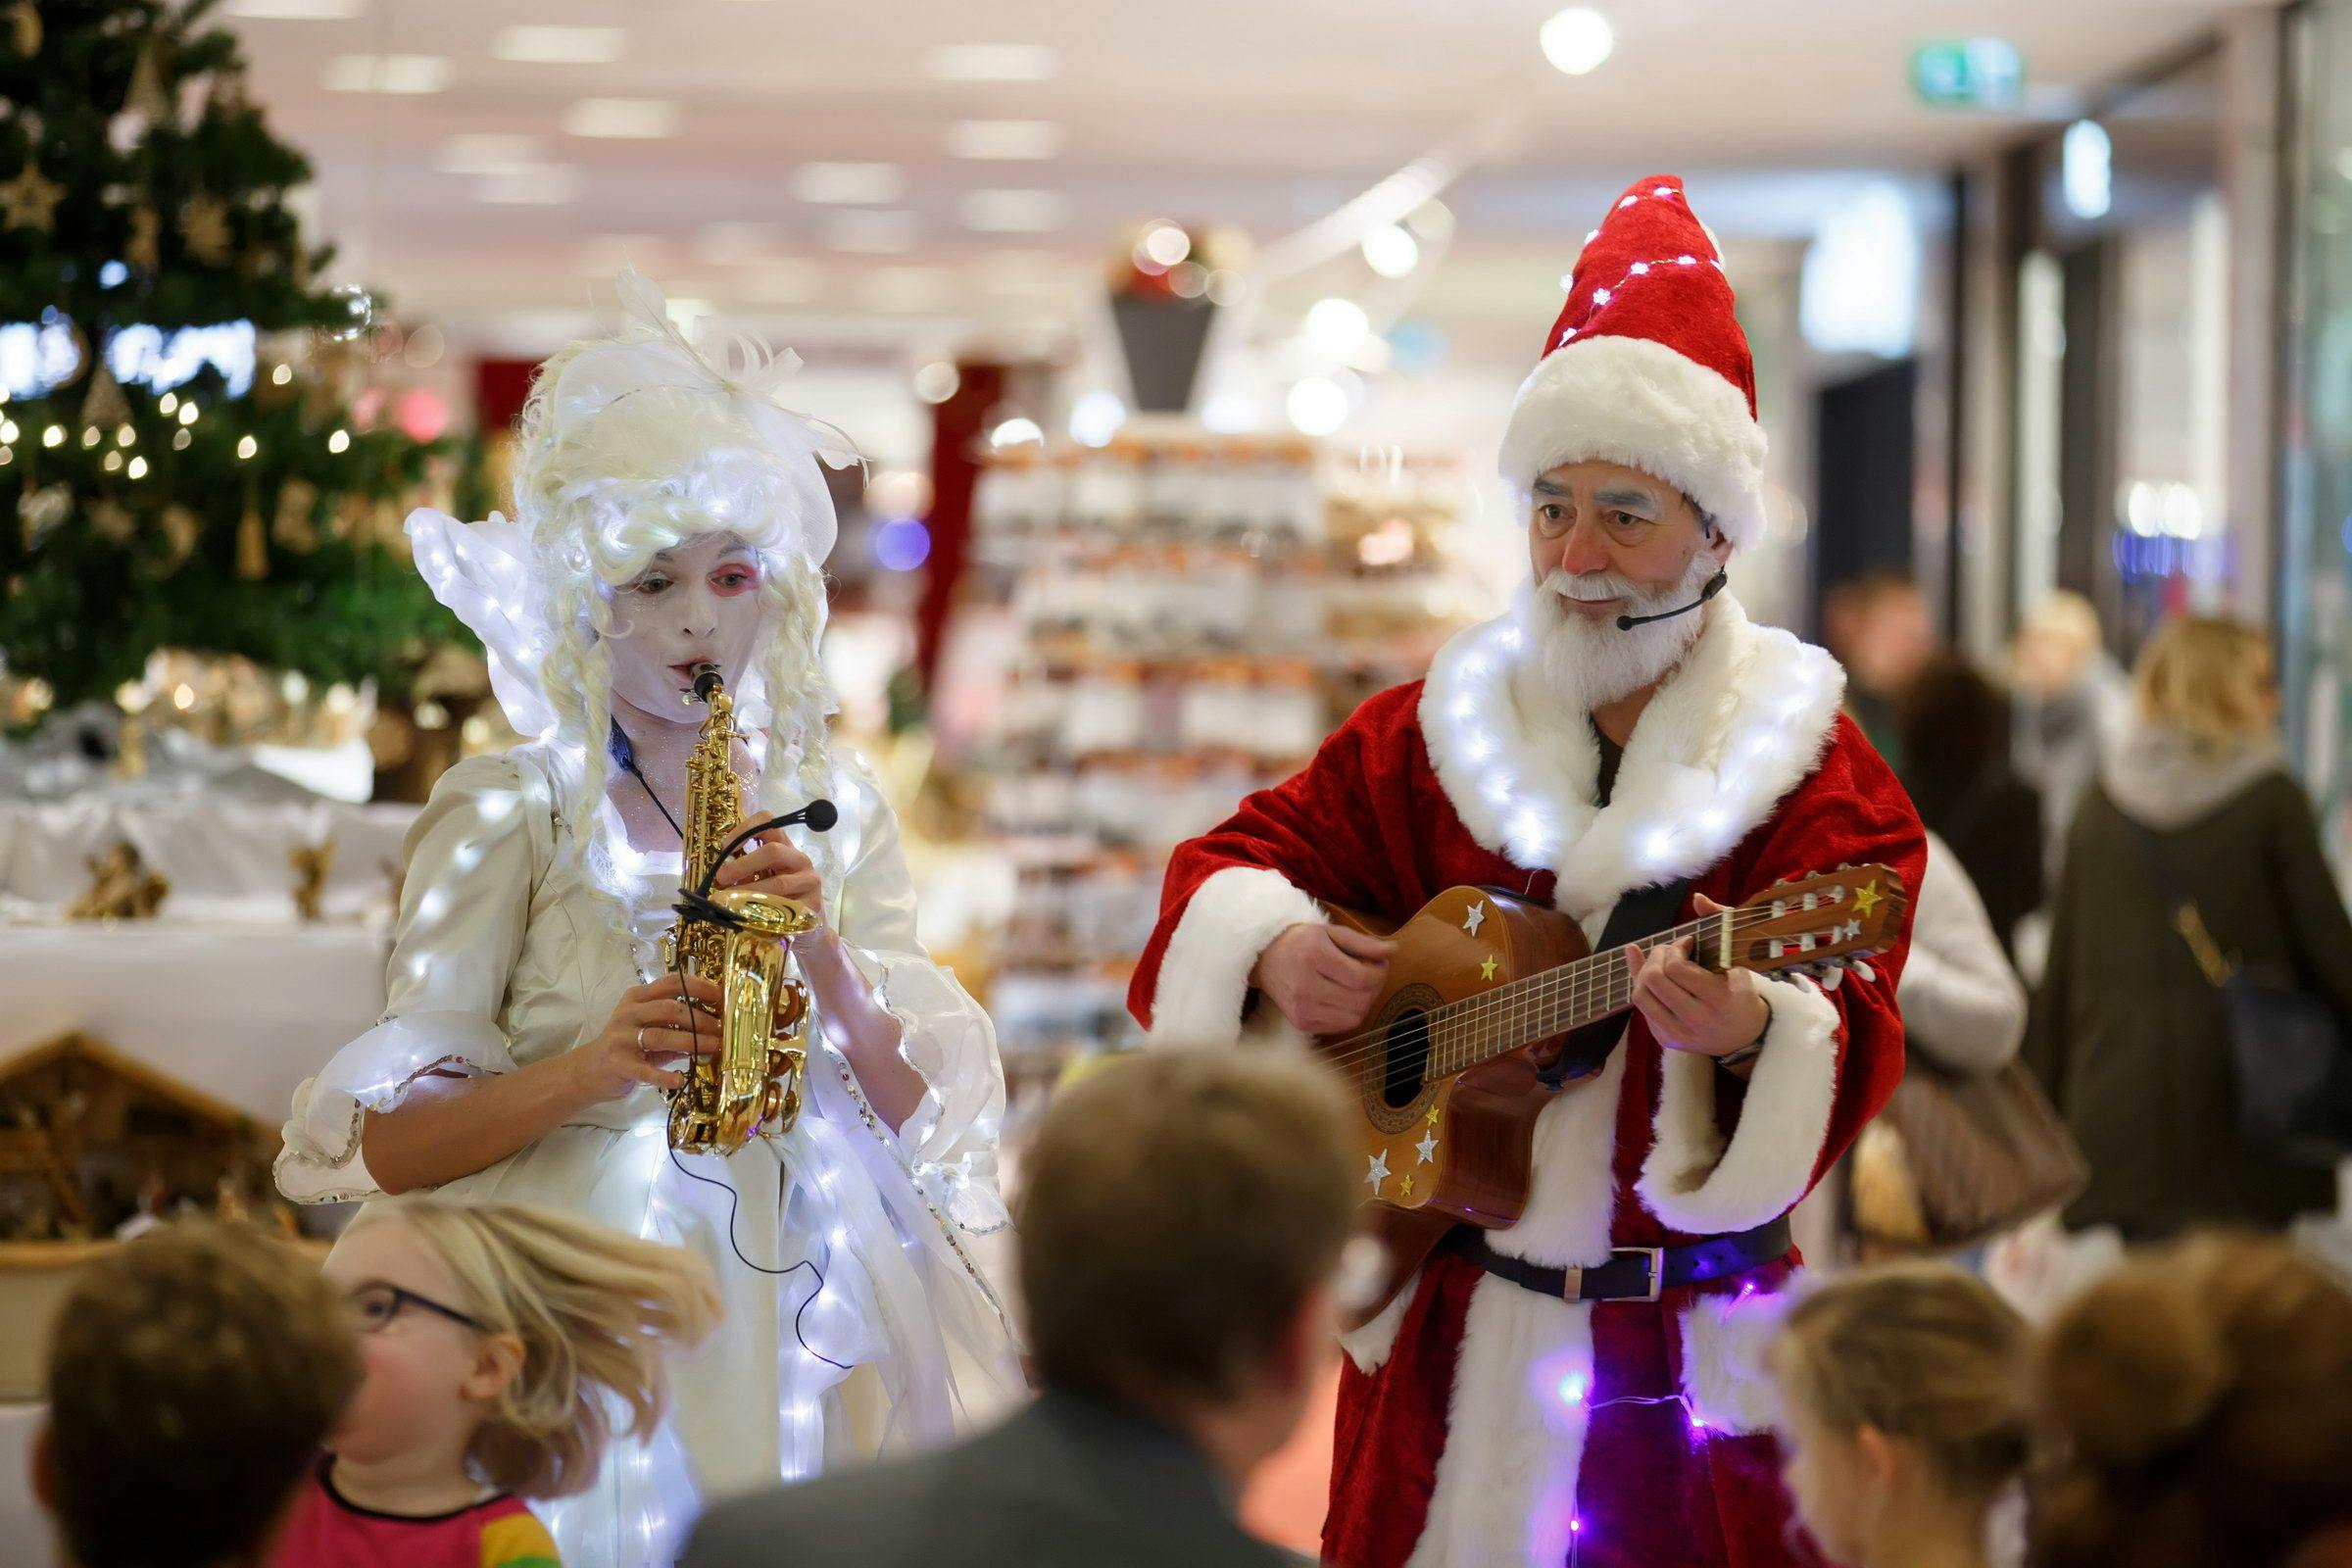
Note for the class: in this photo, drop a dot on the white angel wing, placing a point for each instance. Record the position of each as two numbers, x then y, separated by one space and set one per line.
482 571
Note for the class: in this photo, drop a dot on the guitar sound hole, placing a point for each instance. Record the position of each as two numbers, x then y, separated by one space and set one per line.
1407 1061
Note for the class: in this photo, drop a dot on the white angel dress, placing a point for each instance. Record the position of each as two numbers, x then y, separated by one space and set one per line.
505 955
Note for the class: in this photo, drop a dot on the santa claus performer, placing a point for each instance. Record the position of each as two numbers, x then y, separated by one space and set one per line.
1578 1386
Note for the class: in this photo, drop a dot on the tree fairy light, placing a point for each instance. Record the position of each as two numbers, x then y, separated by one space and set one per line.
247 446
339 443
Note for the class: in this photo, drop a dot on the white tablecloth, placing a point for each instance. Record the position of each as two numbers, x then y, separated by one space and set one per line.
244 1011
226 858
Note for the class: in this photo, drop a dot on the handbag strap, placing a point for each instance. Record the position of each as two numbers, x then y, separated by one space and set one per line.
2187 919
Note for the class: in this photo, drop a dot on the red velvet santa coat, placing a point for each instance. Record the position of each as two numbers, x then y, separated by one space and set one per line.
1469 1434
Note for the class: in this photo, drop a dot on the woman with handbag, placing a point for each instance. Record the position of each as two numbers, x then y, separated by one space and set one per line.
2200 965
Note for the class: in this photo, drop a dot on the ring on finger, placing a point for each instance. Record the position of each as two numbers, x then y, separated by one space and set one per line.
641 1038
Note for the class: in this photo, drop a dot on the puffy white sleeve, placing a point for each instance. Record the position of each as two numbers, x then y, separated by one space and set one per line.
951 1137
473 860
1963 1002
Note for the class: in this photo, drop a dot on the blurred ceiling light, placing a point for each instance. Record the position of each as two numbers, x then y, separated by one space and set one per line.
937 381
2085 169
1317 405
1015 431
549 45
1577 40
849 184
623 119
1391 252
1015 212
1225 286
1162 245
1433 221
480 153
548 185
898 493
293 10
388 74
1189 280
1004 140
992 62
870 233
1095 417
1337 325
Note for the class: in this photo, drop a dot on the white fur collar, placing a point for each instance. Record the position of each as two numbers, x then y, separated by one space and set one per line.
1742 719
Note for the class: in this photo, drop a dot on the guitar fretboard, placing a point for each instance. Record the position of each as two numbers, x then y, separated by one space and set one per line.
1462 1034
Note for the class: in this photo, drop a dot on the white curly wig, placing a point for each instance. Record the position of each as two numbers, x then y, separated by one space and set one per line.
631 444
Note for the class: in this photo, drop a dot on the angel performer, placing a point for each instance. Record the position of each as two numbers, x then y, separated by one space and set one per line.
671 513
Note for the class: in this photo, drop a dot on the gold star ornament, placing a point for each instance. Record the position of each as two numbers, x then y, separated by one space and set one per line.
1866 896
30 200
1485 970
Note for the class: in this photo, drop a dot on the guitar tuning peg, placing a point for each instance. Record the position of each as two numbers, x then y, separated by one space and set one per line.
1862 967
1833 979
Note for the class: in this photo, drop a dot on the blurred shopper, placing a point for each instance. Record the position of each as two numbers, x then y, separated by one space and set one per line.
1952 726
1904 1414
1181 1228
1964 1011
2200 1401
2127 1032
2074 701
1880 629
192 1375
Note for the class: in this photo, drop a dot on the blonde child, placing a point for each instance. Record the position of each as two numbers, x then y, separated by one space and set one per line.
500 1345
1905 1414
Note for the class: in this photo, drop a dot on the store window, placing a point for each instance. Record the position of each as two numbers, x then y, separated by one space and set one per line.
2123 362
2316 478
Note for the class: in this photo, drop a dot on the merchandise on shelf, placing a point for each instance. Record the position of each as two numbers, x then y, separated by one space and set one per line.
1197 612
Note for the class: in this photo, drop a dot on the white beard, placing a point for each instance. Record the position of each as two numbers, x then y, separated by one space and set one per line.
1584 663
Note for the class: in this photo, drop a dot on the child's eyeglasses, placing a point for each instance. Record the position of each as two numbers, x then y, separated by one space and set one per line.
373 1307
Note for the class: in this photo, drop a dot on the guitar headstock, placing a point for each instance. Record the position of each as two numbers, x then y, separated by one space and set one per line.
1820 924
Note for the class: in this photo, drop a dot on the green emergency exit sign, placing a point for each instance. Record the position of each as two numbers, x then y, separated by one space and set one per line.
1968 74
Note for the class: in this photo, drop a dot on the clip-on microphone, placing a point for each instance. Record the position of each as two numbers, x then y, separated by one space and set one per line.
1714 586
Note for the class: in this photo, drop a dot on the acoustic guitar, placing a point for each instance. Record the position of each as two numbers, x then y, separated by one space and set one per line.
1482 992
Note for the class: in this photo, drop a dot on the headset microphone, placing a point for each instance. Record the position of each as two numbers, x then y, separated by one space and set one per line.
1714 586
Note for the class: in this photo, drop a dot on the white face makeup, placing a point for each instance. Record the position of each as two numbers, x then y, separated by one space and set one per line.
697 602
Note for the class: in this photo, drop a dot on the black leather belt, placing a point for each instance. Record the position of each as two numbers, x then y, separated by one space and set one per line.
1631 1273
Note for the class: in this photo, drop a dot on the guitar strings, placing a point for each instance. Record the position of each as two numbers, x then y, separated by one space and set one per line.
1581 982
1584 981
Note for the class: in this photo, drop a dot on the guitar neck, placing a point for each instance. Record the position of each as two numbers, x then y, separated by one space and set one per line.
1555 1001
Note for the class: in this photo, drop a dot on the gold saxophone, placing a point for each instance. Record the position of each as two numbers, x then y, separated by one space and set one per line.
752 1082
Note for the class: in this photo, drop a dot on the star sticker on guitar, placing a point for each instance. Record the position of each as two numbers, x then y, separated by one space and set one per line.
1866 897
1475 919
1427 1147
1485 970
1376 1171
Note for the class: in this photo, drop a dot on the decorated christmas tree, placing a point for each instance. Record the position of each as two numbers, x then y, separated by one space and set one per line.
176 433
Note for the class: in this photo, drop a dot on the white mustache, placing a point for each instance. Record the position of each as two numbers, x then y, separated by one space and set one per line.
1595 586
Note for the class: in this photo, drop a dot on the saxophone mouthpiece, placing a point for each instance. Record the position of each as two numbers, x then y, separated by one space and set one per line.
708 682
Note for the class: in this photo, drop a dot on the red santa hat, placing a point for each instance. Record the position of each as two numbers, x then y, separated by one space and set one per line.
1647 366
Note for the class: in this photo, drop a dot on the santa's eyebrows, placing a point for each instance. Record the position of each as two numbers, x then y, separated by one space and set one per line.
1626 498
1547 487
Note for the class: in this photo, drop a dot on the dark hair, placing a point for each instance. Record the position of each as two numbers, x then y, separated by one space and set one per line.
193 1374
1179 1205
2199 1400
1952 725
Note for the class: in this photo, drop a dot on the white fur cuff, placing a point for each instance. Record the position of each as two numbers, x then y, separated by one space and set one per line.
1205 974
1692 1180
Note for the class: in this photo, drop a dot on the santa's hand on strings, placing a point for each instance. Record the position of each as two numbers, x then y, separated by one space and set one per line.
1323 978
1691 1008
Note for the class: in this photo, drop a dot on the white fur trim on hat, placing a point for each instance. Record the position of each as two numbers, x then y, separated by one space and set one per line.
1634 401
